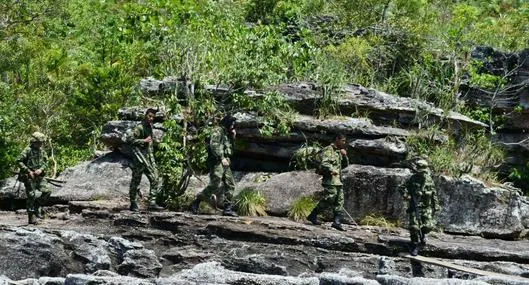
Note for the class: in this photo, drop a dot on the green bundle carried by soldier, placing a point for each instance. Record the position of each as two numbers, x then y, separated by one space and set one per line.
421 195
333 159
220 151
33 163
141 142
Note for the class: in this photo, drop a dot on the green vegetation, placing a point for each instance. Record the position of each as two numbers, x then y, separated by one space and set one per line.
379 221
68 65
251 203
301 208
472 152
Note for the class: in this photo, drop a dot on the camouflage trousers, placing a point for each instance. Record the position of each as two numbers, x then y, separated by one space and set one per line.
37 194
219 174
420 220
152 174
333 198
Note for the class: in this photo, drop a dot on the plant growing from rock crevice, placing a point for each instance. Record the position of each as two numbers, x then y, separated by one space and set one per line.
301 208
251 203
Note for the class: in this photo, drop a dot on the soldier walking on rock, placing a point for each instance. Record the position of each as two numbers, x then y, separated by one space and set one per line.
220 151
420 193
141 141
33 163
333 159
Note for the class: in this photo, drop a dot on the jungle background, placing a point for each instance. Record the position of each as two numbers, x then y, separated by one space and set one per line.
67 66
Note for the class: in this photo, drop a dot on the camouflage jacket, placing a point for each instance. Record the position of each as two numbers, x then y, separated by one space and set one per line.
332 160
31 159
143 152
220 146
421 186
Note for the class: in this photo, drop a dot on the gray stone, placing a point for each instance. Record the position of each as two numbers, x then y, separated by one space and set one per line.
91 251
398 280
106 177
80 279
140 263
31 253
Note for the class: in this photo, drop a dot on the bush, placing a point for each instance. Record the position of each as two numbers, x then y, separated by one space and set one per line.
251 203
379 221
301 208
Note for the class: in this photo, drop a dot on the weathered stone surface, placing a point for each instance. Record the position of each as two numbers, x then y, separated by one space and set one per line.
81 279
29 252
140 263
500 64
214 273
103 178
372 190
91 251
398 280
113 132
282 190
381 107
377 145
469 207
151 85
138 114
134 259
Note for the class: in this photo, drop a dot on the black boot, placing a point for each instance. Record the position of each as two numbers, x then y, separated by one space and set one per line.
154 207
414 249
39 213
134 207
32 219
423 240
337 224
313 217
228 211
195 206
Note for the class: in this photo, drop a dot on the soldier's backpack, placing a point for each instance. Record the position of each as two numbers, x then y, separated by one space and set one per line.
307 157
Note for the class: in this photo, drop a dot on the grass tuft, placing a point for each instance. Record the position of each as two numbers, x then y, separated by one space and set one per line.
301 208
251 203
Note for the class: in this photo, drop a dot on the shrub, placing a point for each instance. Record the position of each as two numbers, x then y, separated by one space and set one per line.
378 220
251 203
301 208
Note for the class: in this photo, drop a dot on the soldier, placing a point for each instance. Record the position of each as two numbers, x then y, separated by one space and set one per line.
220 151
333 159
141 141
420 193
32 163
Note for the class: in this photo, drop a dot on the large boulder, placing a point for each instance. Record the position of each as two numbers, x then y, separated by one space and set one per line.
106 177
468 206
32 253
368 143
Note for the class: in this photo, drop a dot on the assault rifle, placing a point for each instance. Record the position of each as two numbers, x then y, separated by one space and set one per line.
52 181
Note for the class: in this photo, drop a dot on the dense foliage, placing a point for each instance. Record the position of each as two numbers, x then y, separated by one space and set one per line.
67 66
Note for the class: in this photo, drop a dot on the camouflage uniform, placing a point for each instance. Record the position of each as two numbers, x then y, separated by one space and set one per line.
423 202
220 147
31 159
143 159
333 197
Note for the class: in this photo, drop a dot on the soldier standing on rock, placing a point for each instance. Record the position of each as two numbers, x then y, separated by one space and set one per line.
420 193
333 159
220 151
141 141
32 163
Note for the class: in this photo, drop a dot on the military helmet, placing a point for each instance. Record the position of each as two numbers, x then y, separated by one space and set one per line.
38 137
421 164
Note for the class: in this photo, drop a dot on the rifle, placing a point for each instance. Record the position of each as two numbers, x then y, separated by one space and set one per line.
52 181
